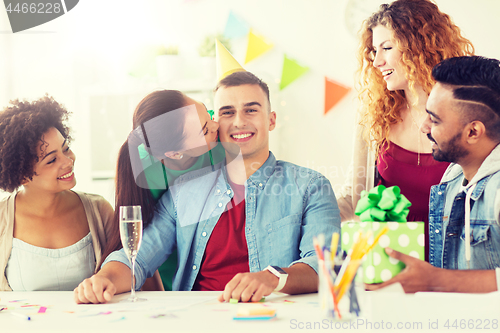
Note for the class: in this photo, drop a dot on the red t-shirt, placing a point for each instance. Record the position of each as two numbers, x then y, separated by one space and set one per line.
226 253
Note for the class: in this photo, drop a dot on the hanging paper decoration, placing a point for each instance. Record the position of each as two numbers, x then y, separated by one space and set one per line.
257 45
334 92
291 71
235 27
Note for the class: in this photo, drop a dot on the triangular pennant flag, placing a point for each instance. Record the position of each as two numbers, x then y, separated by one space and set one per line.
334 92
235 27
257 45
226 64
291 71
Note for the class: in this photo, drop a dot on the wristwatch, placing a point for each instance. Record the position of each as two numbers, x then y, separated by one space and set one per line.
281 274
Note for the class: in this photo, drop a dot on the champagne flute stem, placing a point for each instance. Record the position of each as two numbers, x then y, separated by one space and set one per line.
132 292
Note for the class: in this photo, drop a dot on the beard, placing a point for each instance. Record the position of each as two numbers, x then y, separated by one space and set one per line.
450 151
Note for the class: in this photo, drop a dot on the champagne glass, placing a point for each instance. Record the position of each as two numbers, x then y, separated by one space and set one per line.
131 236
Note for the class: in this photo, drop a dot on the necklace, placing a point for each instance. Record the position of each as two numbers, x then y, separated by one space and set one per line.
418 133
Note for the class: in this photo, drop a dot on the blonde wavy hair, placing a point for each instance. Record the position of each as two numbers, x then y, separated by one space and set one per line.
425 36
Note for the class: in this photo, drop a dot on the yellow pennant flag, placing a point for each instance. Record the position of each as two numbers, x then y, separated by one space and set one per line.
257 45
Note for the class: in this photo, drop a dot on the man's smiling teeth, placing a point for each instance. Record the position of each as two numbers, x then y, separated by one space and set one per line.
387 72
66 175
241 136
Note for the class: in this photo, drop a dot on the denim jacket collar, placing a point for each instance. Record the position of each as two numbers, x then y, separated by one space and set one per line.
261 176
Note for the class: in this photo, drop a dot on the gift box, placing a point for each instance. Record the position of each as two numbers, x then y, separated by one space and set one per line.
377 208
405 237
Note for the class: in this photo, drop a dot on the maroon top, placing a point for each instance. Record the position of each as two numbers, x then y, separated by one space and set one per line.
226 253
398 166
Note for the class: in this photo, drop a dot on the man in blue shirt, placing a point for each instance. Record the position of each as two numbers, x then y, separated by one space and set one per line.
464 221
285 206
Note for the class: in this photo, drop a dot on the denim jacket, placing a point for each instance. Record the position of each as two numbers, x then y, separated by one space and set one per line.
446 218
286 205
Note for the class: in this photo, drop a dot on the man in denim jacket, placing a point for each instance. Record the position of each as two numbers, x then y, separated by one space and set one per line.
464 220
284 206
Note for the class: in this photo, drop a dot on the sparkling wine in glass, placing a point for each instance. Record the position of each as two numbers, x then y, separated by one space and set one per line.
131 236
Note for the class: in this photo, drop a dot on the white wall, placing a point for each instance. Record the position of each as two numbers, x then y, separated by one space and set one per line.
85 53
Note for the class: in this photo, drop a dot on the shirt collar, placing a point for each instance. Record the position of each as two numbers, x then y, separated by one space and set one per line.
262 175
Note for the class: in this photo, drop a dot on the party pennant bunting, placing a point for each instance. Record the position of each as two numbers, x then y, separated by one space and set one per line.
291 71
235 27
334 92
257 45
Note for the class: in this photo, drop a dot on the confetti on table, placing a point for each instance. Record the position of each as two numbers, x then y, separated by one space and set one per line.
233 301
3 307
42 309
105 313
97 314
164 315
283 301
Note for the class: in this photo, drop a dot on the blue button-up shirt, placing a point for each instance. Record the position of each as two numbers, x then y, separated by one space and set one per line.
286 205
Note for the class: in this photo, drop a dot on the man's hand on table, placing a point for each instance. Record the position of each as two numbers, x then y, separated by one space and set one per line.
249 287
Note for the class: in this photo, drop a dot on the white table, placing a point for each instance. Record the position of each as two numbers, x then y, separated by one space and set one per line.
201 312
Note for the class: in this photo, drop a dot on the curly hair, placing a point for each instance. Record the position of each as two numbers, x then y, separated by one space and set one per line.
22 125
425 36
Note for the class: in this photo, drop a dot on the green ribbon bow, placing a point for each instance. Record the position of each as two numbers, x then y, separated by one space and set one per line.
383 204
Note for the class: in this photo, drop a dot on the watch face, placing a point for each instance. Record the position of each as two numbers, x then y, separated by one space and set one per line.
279 270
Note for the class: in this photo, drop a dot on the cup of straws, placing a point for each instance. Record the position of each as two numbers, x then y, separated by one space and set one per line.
337 271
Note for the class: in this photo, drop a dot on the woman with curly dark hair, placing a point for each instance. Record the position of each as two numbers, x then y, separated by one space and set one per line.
400 44
51 237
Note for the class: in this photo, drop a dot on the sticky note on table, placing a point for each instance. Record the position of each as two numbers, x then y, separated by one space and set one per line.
259 313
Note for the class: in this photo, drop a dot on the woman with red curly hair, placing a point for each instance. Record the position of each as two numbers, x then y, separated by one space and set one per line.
400 44
51 237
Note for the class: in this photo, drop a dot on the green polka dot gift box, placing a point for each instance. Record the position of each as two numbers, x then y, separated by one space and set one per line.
405 237
377 208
